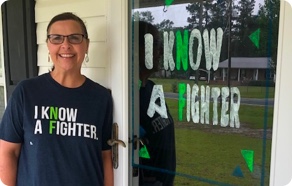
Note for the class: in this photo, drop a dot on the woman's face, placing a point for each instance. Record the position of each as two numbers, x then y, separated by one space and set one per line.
67 56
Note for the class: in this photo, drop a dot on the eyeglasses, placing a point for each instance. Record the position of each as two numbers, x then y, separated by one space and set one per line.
59 39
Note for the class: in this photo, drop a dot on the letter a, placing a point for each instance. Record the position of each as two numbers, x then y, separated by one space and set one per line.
157 92
38 127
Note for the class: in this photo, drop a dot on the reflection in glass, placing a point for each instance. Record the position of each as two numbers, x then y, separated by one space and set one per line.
156 124
217 74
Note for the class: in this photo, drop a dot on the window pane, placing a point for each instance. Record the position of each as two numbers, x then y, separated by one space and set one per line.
214 86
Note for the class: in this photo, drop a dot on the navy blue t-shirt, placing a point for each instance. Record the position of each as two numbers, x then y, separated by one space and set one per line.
63 131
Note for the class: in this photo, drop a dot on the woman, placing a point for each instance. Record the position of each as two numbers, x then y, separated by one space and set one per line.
55 128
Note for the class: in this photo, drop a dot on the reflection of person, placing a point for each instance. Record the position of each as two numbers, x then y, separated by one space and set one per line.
158 132
56 126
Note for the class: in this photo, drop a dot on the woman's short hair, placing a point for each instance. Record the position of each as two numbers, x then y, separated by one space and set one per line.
68 16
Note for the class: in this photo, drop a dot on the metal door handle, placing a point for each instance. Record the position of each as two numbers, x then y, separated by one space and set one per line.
112 142
115 145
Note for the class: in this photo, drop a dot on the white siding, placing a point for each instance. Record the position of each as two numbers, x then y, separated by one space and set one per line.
93 13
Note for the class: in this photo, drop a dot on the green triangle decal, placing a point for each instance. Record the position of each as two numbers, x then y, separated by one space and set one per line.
143 153
168 2
255 37
248 156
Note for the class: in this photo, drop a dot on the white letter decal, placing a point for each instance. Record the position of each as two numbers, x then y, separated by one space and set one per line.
224 109
157 92
195 34
167 51
234 117
148 51
212 50
195 104
215 94
205 103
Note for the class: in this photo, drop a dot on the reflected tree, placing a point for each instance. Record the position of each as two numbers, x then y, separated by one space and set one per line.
219 15
165 25
269 24
244 25
200 14
143 16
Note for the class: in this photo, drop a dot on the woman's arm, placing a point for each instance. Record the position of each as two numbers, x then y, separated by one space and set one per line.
108 168
9 153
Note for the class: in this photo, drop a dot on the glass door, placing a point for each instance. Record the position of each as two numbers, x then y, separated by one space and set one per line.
202 91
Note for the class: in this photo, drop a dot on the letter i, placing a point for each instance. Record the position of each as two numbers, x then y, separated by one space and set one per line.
35 112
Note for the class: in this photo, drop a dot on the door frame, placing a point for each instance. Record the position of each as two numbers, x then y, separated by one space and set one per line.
281 153
118 30
118 20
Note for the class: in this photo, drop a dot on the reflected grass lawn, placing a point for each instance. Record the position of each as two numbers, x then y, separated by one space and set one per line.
211 157
254 116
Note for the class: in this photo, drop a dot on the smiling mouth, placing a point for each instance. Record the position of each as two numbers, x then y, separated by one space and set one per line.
66 55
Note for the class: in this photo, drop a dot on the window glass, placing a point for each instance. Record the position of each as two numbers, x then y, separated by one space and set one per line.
206 81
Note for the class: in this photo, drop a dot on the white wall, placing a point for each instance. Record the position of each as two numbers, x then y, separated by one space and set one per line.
281 162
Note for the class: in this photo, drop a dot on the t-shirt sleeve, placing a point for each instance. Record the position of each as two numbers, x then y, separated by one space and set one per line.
107 126
11 125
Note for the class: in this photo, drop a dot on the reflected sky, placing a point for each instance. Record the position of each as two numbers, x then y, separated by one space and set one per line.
178 13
